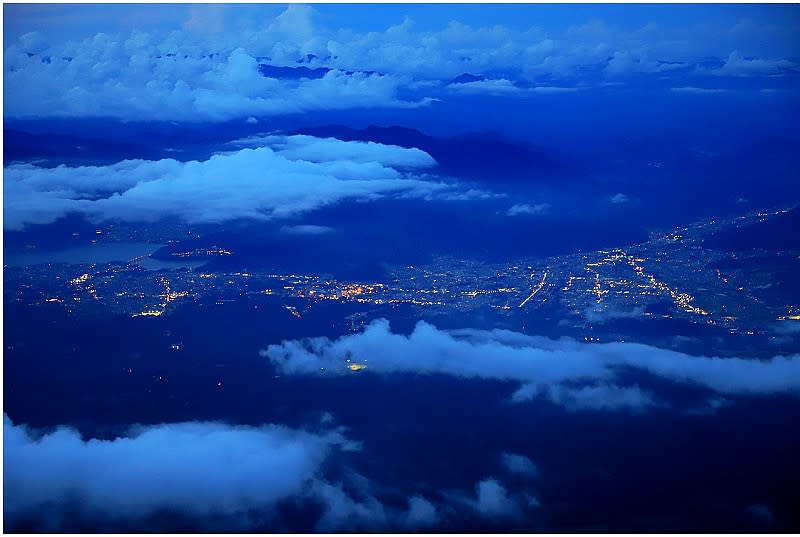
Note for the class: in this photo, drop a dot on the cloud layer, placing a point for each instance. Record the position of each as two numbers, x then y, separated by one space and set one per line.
260 183
199 469
209 68
237 477
578 376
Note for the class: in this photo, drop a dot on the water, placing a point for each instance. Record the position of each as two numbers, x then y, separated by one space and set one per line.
84 255
136 252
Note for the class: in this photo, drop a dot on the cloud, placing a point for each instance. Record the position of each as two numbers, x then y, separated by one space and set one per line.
738 65
524 208
711 407
619 198
255 183
763 513
421 513
698 91
342 511
198 469
519 464
491 87
599 314
494 502
786 327
132 79
306 229
312 149
505 87
598 397
553 89
578 376
207 68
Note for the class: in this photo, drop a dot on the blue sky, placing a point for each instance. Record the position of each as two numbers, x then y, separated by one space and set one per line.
81 20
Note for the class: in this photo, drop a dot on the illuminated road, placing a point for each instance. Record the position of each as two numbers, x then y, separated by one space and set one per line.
538 288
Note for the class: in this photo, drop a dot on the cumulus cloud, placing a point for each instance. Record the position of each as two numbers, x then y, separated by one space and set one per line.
212 473
524 208
209 69
134 78
198 469
519 464
738 65
578 376
342 511
421 513
312 149
619 198
494 502
255 183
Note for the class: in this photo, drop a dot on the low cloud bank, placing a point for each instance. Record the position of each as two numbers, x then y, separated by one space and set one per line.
524 208
578 376
261 183
206 471
313 149
201 469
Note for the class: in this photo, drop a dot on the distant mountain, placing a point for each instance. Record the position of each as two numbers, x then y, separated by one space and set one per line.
775 234
65 149
465 78
480 156
292 73
298 73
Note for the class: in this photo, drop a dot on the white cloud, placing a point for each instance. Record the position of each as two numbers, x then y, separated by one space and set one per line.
203 470
540 365
738 65
519 464
249 183
421 513
524 208
199 469
207 68
619 198
312 149
505 87
494 502
491 87
130 79
597 397
342 511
